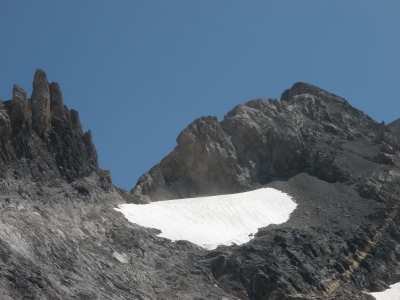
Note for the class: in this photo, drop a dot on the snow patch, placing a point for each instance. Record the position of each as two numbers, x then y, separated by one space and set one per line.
212 221
392 293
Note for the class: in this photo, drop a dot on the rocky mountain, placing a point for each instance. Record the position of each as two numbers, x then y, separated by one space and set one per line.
61 238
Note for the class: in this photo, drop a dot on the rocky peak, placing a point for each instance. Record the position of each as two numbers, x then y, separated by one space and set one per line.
306 131
43 136
301 88
20 111
58 117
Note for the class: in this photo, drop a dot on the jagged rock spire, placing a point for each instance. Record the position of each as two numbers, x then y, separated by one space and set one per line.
20 111
40 102
58 117
46 133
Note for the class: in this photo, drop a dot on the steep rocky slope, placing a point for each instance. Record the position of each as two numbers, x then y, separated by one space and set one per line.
61 239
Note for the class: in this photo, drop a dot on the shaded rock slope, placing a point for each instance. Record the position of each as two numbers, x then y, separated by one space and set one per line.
61 239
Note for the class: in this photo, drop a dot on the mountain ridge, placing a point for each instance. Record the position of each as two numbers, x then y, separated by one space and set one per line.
61 238
232 146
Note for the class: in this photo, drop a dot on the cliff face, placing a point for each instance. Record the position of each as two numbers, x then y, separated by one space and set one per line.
60 237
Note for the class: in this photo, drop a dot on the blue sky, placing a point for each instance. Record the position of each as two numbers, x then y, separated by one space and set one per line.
139 72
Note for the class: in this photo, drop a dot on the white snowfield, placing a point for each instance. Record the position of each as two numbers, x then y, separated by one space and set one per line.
392 293
212 221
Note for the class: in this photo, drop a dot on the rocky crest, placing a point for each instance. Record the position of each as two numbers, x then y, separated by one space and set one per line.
43 136
60 237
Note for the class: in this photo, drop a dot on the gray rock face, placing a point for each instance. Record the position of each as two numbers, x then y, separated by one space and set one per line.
203 148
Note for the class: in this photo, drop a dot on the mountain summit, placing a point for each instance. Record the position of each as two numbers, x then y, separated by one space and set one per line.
61 237
307 131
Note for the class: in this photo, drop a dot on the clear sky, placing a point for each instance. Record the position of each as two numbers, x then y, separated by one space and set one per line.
139 72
